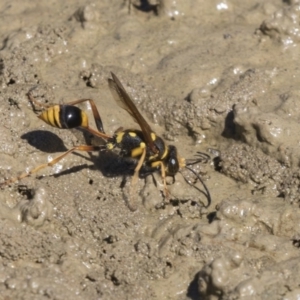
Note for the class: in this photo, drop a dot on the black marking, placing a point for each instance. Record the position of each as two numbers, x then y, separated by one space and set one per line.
70 116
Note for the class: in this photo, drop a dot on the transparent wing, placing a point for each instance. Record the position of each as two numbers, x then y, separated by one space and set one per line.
124 100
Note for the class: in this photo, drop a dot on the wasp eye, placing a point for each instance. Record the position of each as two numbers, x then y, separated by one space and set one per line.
173 166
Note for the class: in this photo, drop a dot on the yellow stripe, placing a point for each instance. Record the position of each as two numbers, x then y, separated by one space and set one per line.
165 153
110 146
84 119
138 151
51 116
153 157
119 137
182 162
43 116
132 134
156 164
56 120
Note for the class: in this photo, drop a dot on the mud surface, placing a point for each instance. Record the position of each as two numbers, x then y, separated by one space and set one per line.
220 77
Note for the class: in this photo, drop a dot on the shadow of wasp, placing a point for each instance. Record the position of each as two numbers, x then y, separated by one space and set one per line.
149 151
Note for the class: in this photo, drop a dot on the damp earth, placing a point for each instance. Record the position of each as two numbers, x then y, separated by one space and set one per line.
219 77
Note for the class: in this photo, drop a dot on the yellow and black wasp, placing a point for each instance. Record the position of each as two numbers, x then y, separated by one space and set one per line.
148 150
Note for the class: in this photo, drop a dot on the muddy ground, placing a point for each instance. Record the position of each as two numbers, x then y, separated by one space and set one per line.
220 77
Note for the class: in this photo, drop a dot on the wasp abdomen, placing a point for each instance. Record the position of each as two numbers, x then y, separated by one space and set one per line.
64 116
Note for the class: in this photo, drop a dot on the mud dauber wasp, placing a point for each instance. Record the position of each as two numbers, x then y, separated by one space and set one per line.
148 150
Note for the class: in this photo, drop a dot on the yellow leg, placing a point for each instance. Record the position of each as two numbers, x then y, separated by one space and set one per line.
163 176
131 203
159 164
138 167
51 163
97 133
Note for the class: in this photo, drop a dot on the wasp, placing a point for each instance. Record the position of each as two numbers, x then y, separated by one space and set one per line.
149 151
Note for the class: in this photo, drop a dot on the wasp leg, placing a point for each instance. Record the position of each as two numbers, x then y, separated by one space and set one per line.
131 204
163 176
95 111
97 133
35 103
52 162
159 164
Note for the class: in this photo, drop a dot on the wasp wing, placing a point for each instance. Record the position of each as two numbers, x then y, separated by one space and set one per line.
124 100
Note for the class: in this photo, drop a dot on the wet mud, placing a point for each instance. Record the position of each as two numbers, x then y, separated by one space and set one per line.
218 77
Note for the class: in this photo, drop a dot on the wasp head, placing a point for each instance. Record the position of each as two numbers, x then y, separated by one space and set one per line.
173 162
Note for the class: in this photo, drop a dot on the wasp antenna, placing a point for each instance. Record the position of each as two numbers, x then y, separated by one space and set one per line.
204 185
201 157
